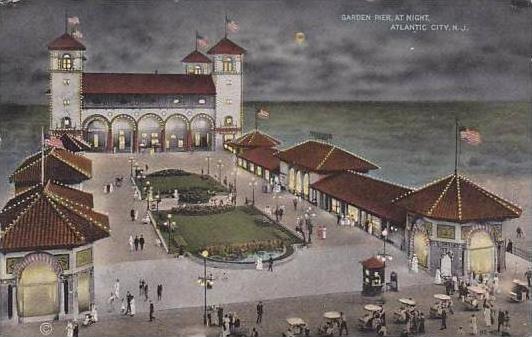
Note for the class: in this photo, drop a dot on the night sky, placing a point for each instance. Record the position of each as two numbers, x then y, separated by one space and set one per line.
339 60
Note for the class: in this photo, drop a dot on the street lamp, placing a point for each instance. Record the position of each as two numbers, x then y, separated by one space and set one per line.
208 159
220 165
158 199
253 183
205 254
131 160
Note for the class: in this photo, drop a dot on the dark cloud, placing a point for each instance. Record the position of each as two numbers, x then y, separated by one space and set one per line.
339 61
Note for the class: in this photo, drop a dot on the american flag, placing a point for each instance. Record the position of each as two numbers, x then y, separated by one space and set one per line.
73 20
232 25
263 113
53 141
470 136
201 41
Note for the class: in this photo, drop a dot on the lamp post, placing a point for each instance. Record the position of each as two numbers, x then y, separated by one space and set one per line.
169 216
131 160
158 199
253 183
205 254
208 159
235 173
220 165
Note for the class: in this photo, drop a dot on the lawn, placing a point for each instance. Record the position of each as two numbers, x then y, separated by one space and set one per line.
193 188
241 227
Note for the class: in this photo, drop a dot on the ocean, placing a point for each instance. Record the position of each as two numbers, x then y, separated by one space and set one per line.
413 143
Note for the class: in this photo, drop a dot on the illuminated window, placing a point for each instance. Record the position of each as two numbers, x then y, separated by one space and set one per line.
228 120
66 81
65 122
201 101
177 100
228 101
197 70
66 102
228 65
66 62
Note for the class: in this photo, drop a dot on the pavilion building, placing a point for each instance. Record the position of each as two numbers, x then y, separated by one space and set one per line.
364 201
46 253
455 225
256 152
59 165
305 163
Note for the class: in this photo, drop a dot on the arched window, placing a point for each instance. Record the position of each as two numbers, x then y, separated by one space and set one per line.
66 62
228 121
198 70
228 65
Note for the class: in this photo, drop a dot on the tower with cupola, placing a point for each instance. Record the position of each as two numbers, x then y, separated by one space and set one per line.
227 59
66 69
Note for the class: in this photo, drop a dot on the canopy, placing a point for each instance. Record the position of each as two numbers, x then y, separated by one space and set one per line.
442 297
521 283
407 301
372 307
476 290
331 315
295 321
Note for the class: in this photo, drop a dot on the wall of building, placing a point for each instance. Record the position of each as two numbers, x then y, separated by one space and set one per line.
101 101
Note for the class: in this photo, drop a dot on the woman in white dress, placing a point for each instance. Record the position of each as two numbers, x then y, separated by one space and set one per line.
133 307
94 313
437 277
70 329
259 263
131 242
415 261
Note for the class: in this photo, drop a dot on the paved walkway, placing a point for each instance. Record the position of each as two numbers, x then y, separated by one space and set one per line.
329 266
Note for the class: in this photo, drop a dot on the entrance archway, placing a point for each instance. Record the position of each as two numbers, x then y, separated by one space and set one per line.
481 253
421 248
150 131
97 132
123 128
201 128
291 179
176 133
38 290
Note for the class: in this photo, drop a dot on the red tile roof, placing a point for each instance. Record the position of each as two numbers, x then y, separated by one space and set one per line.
74 143
255 138
66 42
372 263
262 156
316 156
455 198
370 194
59 164
49 218
226 46
196 57
163 84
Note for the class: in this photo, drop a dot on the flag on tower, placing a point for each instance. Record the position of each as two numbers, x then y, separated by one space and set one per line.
263 113
53 141
470 136
77 34
231 25
73 20
201 41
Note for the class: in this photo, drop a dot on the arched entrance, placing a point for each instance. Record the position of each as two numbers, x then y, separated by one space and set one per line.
150 132
201 128
305 185
97 130
291 179
38 290
298 183
123 128
421 248
176 133
481 253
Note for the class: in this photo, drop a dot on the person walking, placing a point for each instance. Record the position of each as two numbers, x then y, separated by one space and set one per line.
129 297
294 201
70 329
500 320
220 313
141 242
141 287
131 243
510 246
487 314
443 320
528 275
260 311
136 242
159 291
151 311
132 214
145 291
421 328
254 333
75 331
473 324
343 324
133 307
116 289
270 264
519 232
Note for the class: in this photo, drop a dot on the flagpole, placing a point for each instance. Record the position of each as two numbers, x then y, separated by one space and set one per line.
256 122
456 147
42 156
66 21
225 25
196 40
